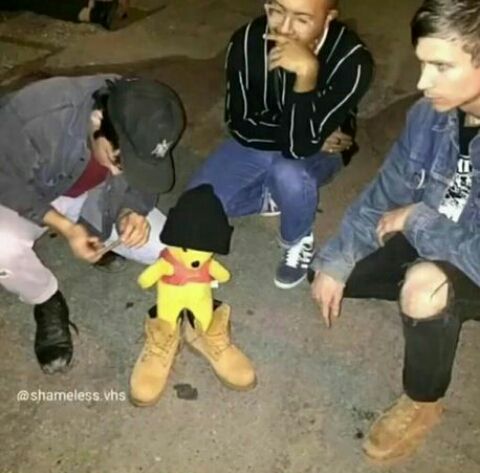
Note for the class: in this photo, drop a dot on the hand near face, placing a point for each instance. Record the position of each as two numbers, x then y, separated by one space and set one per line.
293 56
134 229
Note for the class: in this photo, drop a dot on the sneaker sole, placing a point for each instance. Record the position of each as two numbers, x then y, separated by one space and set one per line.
227 384
283 285
270 214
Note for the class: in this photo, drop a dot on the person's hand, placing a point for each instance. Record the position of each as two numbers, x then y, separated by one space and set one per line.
134 229
328 294
392 222
337 142
84 246
294 57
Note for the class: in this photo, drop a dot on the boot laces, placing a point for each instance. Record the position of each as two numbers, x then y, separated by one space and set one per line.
159 344
403 414
219 338
219 341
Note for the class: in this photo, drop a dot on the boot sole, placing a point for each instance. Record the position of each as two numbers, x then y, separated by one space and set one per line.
227 384
408 450
55 367
138 403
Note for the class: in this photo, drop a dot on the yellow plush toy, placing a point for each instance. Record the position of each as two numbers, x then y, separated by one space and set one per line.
196 228
184 280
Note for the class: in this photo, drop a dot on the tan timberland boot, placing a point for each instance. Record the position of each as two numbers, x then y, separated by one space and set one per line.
150 373
231 366
401 429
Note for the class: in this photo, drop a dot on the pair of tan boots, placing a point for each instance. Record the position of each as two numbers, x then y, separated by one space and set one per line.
162 340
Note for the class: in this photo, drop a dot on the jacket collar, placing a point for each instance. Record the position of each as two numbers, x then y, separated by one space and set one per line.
447 121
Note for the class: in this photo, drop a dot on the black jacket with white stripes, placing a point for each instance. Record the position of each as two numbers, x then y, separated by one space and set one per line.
263 111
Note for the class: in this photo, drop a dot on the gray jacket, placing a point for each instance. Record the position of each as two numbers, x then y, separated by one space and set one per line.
44 149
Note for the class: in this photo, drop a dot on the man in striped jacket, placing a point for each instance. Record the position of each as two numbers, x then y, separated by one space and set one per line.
294 79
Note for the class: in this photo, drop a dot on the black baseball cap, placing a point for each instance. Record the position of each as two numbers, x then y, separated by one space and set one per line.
148 118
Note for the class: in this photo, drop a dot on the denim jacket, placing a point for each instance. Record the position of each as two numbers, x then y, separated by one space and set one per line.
418 170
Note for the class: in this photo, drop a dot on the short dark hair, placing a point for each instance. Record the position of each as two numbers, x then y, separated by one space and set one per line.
107 130
449 20
333 4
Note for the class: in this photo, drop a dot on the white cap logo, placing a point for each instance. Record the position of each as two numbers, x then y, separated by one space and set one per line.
161 149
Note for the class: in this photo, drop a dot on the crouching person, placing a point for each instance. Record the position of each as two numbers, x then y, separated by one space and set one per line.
413 234
70 149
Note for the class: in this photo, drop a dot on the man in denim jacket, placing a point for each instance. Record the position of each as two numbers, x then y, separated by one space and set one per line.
414 233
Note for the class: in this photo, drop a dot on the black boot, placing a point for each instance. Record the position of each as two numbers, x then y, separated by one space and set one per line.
53 341
105 14
110 262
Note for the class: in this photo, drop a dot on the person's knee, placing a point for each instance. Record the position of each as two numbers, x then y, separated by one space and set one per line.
11 249
289 176
425 291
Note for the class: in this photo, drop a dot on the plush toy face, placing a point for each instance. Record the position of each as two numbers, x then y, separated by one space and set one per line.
192 259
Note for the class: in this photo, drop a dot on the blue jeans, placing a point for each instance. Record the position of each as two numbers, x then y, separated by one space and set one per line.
242 176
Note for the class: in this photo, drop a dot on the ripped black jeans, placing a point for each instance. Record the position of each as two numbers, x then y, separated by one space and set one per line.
430 345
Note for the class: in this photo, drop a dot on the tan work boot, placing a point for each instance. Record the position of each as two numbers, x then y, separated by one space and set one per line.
150 373
231 366
400 429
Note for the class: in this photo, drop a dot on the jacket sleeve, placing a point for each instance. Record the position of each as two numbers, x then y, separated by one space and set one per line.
435 237
33 122
139 201
311 117
18 169
357 236
244 114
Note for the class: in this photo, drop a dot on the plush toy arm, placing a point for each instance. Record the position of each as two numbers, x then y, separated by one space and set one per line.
154 272
219 272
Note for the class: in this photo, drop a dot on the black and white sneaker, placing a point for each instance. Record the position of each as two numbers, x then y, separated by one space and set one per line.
293 267
53 341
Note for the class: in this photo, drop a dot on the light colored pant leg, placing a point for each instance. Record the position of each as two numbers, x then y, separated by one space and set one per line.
21 272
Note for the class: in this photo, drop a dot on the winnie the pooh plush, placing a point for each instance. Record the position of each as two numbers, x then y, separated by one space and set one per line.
195 229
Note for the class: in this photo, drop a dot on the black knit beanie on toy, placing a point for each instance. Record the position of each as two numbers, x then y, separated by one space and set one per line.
198 222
